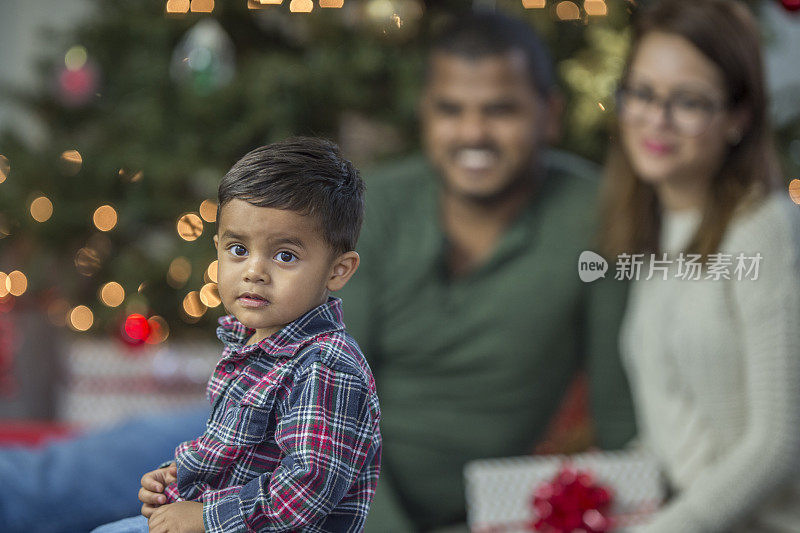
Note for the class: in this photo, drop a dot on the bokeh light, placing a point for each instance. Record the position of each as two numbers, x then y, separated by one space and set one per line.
190 226
5 168
3 284
595 8
208 210
16 283
178 273
58 312
71 162
81 318
533 4
209 295
177 6
211 271
112 294
794 190
87 261
202 6
193 306
159 330
568 11
301 6
41 209
75 58
105 218
331 3
136 327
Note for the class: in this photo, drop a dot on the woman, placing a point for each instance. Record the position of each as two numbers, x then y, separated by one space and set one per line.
714 363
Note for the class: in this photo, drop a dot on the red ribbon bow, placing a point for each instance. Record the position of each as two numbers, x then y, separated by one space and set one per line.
572 501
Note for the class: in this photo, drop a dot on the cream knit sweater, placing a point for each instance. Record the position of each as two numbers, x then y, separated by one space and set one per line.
714 368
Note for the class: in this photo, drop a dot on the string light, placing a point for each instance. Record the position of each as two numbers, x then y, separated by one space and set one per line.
105 218
301 6
601 106
208 210
3 284
177 6
794 190
71 162
533 4
568 11
16 283
87 261
193 306
81 318
75 58
178 273
596 8
331 3
112 294
190 226
202 6
41 209
209 295
159 330
212 271
5 168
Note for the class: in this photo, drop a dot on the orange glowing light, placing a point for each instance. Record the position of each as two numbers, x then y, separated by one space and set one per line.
112 294
301 6
81 318
159 330
568 11
331 3
41 209
71 162
202 6
3 284
209 295
177 6
190 226
208 210
105 218
16 283
5 168
794 190
212 270
533 4
179 271
595 8
193 306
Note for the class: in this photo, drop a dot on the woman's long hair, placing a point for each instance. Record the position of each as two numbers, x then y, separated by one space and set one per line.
726 33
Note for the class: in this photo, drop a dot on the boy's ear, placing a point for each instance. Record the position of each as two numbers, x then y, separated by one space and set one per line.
343 269
216 241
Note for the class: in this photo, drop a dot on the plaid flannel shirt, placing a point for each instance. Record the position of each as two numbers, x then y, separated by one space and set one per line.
293 441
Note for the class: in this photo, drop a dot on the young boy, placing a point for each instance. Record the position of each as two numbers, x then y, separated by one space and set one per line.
293 441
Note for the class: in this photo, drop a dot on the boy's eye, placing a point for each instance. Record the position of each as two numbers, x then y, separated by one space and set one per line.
285 257
237 250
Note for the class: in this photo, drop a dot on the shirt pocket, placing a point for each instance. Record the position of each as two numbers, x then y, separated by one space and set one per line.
246 423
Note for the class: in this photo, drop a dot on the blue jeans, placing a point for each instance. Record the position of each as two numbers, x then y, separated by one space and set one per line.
137 524
75 485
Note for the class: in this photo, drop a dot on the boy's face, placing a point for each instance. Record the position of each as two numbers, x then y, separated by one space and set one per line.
274 265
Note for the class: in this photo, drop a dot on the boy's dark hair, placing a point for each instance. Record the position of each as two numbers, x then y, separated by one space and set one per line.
306 175
482 34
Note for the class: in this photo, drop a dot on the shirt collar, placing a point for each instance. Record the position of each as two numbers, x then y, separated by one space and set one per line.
322 319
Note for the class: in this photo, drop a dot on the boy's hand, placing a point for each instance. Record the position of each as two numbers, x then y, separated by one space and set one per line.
178 517
153 485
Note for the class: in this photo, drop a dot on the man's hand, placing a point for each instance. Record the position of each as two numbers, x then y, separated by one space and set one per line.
153 485
178 517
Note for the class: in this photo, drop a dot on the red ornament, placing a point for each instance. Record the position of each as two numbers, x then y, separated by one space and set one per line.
136 329
791 5
77 87
571 501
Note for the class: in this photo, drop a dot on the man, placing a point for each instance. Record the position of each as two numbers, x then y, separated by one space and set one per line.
467 303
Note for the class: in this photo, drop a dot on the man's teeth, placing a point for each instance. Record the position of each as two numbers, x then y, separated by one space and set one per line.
475 158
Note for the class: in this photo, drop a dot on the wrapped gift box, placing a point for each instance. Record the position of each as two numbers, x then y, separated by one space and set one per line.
500 491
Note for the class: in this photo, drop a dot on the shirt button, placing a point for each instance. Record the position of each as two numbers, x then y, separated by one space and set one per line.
230 367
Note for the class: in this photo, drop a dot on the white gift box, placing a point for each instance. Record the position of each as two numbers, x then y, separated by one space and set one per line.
500 491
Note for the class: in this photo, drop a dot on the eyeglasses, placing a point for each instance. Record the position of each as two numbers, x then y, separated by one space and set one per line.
690 114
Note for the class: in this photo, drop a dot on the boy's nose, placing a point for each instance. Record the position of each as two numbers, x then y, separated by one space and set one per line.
256 273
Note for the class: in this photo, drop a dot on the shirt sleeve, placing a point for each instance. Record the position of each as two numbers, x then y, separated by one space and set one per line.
325 436
768 312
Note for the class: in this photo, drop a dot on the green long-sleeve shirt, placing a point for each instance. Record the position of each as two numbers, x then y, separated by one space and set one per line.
475 366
